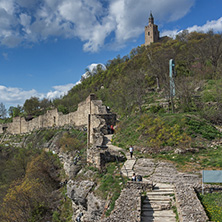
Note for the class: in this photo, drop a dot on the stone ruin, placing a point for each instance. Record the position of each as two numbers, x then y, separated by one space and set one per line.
91 114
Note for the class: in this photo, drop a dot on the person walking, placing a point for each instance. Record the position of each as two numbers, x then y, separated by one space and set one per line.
131 149
112 129
134 177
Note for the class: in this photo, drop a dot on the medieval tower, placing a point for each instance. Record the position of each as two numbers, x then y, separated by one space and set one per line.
151 32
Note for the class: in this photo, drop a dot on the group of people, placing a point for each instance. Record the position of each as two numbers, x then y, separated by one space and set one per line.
136 178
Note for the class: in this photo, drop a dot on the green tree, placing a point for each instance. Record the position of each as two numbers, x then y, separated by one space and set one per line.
15 111
3 111
44 104
32 106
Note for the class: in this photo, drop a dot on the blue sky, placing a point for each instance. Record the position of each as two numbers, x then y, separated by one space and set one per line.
46 45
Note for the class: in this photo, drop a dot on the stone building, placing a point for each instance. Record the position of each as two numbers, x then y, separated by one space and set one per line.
151 32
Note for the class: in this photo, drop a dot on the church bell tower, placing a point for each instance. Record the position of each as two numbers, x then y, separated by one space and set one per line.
151 31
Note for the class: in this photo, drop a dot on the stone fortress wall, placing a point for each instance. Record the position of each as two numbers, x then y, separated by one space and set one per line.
91 114
53 118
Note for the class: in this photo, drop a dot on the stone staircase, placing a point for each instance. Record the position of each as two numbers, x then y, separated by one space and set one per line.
156 207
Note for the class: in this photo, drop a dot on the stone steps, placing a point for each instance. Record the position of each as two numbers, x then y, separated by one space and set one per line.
156 206
159 213
157 219
163 193
158 198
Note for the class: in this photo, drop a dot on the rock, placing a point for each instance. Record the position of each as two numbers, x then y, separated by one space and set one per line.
95 207
179 151
78 191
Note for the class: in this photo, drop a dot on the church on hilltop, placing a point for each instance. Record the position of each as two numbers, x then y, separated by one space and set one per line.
152 32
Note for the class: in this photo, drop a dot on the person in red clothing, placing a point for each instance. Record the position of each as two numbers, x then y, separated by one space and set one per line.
112 129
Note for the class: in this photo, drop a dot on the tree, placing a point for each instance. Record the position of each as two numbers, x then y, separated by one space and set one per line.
3 111
45 104
31 106
15 111
29 198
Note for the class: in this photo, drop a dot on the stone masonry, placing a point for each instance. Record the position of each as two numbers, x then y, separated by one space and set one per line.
53 118
91 114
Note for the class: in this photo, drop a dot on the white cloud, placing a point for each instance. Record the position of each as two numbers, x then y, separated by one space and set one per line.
59 91
92 69
215 25
14 96
92 21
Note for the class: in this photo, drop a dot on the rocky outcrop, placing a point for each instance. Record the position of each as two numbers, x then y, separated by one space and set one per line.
84 201
78 191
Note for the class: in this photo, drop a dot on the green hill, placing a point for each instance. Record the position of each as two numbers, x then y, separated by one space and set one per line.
136 87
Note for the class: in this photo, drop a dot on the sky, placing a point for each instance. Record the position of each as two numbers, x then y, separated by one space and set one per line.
46 45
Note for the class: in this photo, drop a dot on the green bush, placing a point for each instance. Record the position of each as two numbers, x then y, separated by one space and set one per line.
201 127
48 134
212 203
159 133
75 140
156 109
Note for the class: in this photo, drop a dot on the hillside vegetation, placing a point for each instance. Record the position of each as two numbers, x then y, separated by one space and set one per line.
30 177
136 87
137 82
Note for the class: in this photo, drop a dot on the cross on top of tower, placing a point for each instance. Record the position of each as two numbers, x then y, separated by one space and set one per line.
151 19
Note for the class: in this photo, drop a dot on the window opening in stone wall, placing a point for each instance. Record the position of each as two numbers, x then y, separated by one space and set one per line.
54 120
148 33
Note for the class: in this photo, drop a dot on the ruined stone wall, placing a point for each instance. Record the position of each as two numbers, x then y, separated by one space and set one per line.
14 127
54 118
188 205
128 205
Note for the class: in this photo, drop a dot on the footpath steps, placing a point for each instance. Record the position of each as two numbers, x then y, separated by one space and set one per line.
156 206
127 168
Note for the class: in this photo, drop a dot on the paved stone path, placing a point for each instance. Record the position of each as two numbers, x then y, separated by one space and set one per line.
127 169
165 176
157 204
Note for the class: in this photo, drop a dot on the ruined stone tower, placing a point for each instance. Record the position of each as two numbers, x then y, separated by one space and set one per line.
151 31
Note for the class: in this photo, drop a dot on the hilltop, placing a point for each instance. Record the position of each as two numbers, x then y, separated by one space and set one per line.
136 88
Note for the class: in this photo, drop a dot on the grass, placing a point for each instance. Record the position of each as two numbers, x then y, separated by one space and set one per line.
109 182
212 203
178 131
110 185
209 158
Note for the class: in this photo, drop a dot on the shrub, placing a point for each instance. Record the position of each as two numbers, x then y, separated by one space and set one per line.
70 142
201 127
156 109
159 133
212 204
